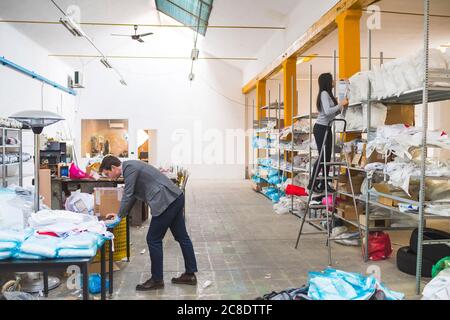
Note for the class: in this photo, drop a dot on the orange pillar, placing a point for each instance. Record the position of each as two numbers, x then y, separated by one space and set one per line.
349 43
260 99
289 87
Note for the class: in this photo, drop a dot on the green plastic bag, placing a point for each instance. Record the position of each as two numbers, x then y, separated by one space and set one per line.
442 264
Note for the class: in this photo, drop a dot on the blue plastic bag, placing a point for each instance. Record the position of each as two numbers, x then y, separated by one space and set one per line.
114 223
95 283
332 284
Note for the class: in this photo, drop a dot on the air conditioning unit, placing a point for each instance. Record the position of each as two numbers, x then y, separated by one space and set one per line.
116 124
76 82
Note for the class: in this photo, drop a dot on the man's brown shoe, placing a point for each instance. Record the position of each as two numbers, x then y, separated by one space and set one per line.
189 279
149 285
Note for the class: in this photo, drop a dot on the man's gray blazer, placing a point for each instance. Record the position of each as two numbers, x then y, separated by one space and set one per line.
146 183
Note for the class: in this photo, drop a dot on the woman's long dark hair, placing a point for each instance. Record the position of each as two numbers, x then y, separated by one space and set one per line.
325 84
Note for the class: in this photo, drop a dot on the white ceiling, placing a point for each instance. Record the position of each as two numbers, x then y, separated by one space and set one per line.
399 36
165 42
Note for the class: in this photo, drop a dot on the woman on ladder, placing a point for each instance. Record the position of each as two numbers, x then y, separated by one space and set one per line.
328 108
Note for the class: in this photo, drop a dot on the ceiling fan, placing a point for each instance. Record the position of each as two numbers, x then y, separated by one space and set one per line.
135 36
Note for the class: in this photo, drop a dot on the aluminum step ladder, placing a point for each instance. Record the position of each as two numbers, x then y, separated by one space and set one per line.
329 216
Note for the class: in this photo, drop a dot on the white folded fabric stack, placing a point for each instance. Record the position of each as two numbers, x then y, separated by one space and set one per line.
398 76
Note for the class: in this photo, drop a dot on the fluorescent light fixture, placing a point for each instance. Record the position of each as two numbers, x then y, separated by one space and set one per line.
72 26
307 58
105 62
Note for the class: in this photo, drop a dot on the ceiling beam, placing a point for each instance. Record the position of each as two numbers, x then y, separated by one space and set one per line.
318 31
111 24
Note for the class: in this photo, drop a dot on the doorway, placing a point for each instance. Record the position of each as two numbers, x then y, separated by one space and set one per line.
147 146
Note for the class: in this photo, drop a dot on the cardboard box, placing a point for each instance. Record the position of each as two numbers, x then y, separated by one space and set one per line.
95 267
400 114
379 223
357 181
388 189
45 186
107 200
347 210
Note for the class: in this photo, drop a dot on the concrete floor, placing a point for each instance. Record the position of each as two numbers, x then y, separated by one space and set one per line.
243 248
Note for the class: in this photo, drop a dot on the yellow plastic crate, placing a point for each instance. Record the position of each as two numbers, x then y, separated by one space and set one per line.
120 243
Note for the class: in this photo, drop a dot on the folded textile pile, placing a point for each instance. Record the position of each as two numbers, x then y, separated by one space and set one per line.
332 284
397 77
11 240
55 234
399 139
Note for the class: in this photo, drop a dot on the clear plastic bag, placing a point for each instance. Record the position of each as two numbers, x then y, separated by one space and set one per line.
77 253
5 255
7 246
19 236
45 246
83 240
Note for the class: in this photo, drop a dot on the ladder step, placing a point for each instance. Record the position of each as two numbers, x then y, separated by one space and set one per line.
317 206
328 178
334 163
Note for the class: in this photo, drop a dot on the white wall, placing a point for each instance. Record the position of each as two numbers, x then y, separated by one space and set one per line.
298 22
19 92
159 96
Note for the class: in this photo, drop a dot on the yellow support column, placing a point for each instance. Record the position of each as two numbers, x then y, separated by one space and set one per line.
260 99
349 43
290 100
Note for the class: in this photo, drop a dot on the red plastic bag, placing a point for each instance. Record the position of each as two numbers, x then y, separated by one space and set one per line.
379 246
292 190
329 202
77 173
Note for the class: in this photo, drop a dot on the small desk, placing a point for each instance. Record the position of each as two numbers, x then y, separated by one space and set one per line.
47 265
64 186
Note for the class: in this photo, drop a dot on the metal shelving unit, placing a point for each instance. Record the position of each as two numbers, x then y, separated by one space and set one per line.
424 96
277 107
4 151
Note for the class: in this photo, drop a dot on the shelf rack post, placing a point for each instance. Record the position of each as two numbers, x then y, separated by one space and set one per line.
368 186
424 144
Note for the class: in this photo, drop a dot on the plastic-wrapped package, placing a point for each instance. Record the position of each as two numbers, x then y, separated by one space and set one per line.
77 253
17 236
80 202
45 246
408 70
8 246
377 81
438 288
5 255
95 283
80 241
395 71
13 209
26 256
47 217
332 284
436 61
17 295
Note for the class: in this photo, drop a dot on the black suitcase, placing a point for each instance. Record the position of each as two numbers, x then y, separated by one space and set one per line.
407 260
434 252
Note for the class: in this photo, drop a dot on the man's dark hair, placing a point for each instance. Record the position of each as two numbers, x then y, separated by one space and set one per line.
108 162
